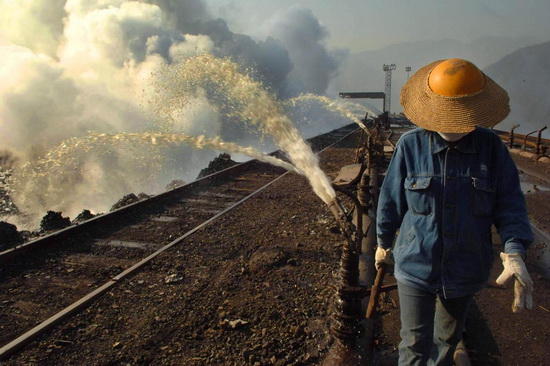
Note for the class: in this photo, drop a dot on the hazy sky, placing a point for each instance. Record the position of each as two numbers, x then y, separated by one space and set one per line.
352 23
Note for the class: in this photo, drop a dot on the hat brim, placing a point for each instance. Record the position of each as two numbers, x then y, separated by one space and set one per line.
456 114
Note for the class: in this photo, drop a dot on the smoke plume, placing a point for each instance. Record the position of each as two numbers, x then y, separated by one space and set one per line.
303 36
72 68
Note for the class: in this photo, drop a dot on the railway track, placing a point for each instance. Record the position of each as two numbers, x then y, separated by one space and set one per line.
82 262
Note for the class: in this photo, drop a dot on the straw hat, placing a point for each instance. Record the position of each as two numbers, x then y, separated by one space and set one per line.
453 96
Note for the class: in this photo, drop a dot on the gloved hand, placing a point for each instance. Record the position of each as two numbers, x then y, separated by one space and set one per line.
514 268
382 256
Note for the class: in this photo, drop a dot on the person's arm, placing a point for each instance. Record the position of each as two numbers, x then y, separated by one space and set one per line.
513 226
510 212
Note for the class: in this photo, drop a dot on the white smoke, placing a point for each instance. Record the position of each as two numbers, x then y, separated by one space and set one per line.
96 79
74 67
36 25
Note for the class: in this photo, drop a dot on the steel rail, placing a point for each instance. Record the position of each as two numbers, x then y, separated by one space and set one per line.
24 339
12 347
101 219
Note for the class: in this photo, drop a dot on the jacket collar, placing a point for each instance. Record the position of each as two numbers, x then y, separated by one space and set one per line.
465 145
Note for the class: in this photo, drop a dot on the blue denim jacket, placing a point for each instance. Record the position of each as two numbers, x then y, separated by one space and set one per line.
444 200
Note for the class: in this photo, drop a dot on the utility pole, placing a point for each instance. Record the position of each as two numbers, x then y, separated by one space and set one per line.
388 69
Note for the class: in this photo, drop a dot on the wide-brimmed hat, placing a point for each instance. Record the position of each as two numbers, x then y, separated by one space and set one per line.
456 113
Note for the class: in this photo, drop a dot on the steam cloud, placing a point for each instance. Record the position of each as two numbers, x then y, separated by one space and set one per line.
74 66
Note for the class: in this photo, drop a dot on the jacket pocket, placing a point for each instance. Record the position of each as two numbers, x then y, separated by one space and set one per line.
407 242
419 195
483 197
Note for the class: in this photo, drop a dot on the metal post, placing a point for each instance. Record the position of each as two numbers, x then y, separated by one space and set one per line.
388 69
511 142
537 150
366 256
525 139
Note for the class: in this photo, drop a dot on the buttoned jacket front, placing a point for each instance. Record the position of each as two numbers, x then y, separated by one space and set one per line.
442 199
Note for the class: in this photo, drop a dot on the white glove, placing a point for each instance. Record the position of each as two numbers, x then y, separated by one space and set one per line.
382 256
514 268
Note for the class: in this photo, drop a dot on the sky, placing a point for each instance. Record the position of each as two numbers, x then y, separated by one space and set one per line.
360 25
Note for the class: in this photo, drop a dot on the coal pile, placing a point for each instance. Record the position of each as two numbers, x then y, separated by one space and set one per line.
54 221
129 199
125 201
9 236
221 162
83 216
175 184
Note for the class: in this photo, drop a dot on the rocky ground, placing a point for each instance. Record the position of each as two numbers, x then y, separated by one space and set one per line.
255 288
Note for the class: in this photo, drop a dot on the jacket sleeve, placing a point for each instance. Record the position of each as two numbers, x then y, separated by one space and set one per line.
510 215
392 204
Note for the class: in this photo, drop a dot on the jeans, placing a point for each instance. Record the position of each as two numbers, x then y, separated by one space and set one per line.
431 326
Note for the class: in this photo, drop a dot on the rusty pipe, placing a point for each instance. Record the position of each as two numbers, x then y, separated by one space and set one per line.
347 312
345 219
511 142
537 149
337 210
349 267
525 139
363 192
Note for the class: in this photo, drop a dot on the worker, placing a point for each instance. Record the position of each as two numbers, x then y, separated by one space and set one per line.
448 182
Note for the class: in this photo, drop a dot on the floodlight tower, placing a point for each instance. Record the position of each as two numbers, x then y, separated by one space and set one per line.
408 70
388 69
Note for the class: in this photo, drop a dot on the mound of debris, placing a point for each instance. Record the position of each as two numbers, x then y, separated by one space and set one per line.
54 221
128 200
221 162
175 184
9 236
83 216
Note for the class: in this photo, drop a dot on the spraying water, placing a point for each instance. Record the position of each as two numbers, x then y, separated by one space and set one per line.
85 172
346 108
240 96
76 163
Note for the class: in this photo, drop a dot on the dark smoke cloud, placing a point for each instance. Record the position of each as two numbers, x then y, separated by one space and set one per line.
303 36
187 16
292 59
268 58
